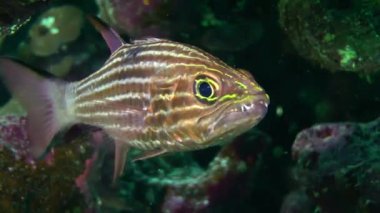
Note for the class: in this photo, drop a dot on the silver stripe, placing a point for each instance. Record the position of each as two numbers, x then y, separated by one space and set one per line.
119 69
114 83
100 114
143 65
124 55
115 98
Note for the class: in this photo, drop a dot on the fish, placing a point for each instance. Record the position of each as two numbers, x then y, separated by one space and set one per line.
152 94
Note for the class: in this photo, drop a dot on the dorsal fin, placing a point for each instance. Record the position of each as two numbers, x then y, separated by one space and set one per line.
112 38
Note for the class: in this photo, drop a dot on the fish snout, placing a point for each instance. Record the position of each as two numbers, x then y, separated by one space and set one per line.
246 114
259 105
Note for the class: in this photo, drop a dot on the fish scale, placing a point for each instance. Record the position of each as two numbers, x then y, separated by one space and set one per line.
152 94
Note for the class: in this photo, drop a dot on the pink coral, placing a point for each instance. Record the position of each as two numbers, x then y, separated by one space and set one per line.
13 134
321 137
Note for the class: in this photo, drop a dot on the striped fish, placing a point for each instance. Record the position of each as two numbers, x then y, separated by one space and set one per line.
153 94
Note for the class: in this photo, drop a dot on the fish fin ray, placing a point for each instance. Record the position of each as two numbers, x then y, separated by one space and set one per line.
111 37
38 96
150 154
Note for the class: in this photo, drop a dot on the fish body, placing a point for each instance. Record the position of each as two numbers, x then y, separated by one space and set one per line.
153 94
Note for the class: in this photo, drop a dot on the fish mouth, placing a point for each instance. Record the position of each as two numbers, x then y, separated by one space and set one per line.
238 118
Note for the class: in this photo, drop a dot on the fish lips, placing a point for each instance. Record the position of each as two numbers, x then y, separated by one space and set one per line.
238 119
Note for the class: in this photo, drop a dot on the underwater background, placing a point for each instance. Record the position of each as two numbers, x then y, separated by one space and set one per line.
317 149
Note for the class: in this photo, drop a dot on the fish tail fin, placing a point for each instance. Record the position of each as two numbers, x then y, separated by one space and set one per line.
43 99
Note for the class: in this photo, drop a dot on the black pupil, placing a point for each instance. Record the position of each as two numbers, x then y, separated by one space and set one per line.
205 89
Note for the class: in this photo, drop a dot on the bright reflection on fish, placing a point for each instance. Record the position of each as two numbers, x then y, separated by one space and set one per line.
153 94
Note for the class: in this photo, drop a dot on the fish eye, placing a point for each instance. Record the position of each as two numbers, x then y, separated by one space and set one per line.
205 89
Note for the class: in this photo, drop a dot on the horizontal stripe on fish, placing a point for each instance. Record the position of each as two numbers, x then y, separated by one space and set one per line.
182 97
143 65
102 114
170 55
138 69
108 119
112 67
130 50
123 105
187 49
130 85
114 120
113 83
115 91
114 99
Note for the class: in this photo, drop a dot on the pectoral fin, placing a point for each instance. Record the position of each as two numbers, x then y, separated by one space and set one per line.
150 154
121 152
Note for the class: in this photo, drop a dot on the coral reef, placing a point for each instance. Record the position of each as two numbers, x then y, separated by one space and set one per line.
43 185
54 28
338 35
338 166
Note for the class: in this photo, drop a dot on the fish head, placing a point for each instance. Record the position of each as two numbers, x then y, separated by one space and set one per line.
200 101
233 103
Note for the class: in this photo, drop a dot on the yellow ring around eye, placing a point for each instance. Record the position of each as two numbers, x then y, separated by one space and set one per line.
213 85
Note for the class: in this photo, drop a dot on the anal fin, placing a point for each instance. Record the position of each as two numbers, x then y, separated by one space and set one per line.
150 154
121 153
